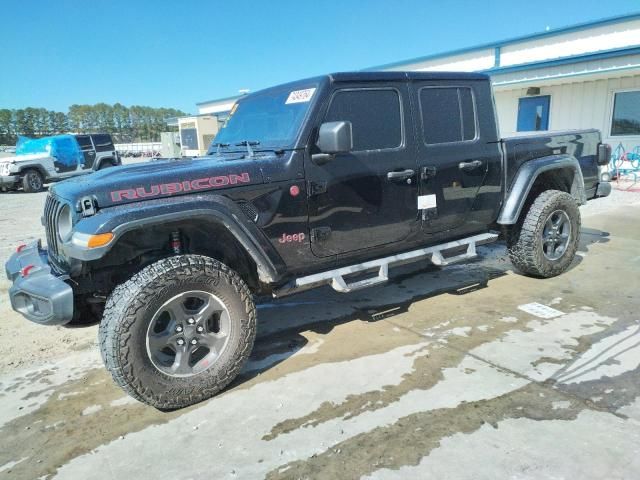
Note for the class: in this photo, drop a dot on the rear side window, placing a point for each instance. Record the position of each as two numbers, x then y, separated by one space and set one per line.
85 142
448 114
103 143
375 117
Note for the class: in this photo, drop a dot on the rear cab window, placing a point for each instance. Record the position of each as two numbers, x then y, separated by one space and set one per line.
448 114
103 143
375 115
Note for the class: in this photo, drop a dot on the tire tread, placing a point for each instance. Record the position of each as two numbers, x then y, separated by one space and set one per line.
130 297
522 242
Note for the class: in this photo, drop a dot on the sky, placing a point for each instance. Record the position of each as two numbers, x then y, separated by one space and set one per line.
159 53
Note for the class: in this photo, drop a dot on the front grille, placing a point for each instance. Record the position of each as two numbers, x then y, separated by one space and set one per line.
52 208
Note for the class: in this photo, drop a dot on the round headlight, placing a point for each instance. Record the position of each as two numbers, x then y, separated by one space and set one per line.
65 223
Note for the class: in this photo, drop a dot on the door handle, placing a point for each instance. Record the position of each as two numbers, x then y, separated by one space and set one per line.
400 174
470 165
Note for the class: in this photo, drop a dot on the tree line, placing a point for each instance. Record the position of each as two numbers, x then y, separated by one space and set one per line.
125 124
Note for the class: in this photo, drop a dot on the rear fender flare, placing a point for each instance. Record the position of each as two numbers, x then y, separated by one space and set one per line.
526 177
102 160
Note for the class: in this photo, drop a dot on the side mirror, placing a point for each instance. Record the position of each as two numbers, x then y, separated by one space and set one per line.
604 154
335 137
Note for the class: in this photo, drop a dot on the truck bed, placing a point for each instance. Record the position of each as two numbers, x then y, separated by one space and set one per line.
582 144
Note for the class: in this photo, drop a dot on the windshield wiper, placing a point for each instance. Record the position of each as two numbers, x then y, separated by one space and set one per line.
248 144
219 146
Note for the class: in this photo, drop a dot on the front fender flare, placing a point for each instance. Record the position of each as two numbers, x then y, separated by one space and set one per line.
213 208
526 177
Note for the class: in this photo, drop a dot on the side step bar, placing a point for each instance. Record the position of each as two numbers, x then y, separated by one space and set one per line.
339 283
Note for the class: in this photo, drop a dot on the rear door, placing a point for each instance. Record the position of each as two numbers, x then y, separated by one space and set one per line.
365 198
104 147
88 151
453 157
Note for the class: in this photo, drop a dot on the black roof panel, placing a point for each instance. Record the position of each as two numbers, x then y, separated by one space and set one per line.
390 76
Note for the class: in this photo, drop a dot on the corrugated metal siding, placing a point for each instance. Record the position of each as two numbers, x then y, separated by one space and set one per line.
467 62
596 39
573 105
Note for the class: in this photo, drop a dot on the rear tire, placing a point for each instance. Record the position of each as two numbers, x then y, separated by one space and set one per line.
544 241
145 336
32 181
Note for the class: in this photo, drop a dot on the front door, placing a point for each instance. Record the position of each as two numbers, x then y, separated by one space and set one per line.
365 198
452 159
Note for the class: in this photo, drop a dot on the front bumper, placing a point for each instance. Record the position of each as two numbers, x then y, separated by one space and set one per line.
8 180
41 296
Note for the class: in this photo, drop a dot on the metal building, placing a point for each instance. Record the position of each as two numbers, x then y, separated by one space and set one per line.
581 76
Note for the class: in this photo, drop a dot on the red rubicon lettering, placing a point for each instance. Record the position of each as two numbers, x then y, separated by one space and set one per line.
170 188
142 192
118 195
219 181
200 184
180 186
242 178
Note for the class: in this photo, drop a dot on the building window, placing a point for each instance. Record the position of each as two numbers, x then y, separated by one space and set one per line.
189 138
448 114
626 113
375 116
533 113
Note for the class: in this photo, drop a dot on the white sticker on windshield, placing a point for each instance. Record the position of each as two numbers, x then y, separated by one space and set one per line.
300 96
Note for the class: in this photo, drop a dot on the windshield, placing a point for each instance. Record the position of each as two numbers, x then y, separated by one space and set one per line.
271 118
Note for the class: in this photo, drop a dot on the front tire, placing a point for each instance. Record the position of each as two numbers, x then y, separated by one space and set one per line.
178 331
32 181
544 241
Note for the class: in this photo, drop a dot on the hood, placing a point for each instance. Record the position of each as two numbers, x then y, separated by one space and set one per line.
160 178
24 157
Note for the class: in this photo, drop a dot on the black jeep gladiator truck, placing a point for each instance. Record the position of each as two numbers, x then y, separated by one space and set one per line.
329 180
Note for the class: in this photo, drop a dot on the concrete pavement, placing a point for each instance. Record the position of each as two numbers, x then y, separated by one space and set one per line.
442 373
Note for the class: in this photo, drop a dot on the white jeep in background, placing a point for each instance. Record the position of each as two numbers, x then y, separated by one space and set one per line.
32 170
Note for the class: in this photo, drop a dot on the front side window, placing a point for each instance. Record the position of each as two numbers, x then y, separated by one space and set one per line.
85 142
448 114
375 116
533 113
626 113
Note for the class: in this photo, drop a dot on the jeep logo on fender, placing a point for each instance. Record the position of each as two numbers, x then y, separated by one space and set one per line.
177 187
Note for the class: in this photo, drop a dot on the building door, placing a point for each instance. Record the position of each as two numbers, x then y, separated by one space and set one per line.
366 198
533 113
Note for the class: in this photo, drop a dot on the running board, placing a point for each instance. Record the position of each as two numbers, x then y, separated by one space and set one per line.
337 277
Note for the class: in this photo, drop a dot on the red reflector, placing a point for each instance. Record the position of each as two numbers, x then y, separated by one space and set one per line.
294 190
25 270
20 247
